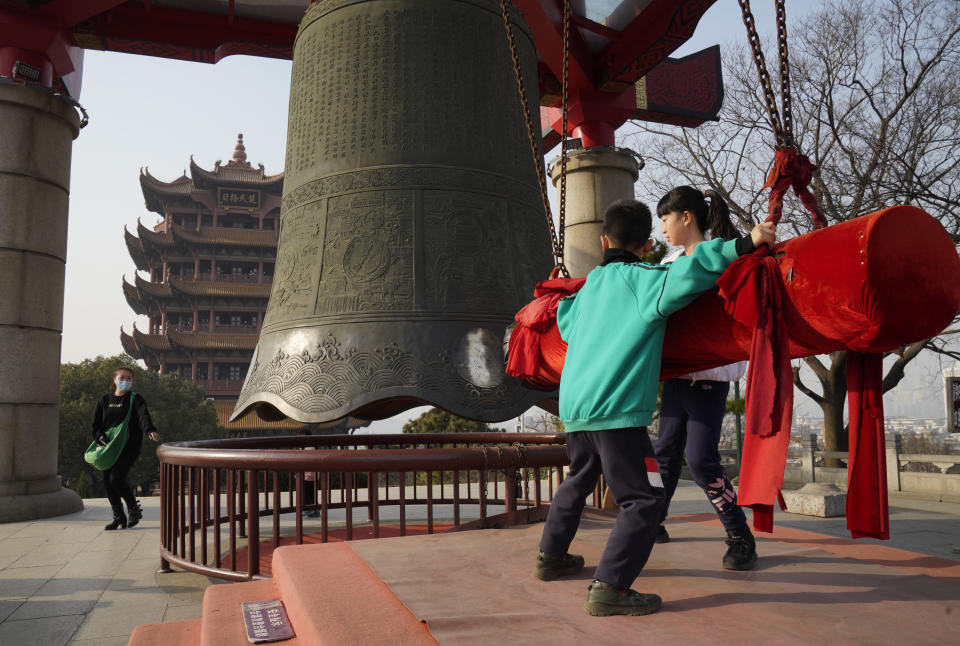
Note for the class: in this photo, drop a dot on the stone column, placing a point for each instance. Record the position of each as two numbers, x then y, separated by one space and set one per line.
894 446
596 177
951 388
808 459
36 137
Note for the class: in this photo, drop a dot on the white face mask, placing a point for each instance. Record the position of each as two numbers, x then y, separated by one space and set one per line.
123 385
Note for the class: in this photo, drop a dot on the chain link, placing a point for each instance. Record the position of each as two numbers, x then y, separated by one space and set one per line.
785 100
565 102
772 112
555 240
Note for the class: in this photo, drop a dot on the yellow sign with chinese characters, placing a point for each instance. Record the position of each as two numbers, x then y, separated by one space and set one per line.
231 198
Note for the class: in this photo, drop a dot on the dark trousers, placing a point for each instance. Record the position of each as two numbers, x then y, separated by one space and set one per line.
308 486
691 417
618 454
115 478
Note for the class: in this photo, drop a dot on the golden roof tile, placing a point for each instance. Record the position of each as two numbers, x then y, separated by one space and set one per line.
213 288
235 174
155 238
204 341
157 290
226 236
155 190
155 342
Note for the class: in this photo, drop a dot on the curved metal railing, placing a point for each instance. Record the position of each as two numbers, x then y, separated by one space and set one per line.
215 493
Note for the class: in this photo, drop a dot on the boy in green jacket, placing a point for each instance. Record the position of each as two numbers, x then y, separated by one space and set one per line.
614 327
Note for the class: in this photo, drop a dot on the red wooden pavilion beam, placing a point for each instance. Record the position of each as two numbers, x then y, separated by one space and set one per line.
545 19
72 12
648 39
193 29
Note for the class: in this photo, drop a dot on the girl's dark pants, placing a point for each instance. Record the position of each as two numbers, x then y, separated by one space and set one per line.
115 478
619 454
691 417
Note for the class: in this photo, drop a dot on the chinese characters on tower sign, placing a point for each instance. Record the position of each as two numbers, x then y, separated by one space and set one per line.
231 198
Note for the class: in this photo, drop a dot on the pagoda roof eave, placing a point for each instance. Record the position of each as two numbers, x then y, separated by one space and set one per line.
156 290
202 341
212 288
234 174
154 342
154 238
135 249
130 344
132 294
154 190
226 237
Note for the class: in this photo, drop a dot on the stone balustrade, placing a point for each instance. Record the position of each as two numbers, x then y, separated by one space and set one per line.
802 467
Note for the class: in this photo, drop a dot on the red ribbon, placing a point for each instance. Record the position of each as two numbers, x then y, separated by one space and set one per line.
791 169
753 290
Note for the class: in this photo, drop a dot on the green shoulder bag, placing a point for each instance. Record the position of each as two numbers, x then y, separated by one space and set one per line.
103 456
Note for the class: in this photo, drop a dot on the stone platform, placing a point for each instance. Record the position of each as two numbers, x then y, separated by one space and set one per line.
66 581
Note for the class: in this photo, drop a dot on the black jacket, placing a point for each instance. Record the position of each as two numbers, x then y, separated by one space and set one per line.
111 410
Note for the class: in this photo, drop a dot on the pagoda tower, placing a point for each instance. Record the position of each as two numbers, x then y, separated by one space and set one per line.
210 262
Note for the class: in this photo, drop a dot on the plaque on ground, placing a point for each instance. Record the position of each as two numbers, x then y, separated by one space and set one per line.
266 621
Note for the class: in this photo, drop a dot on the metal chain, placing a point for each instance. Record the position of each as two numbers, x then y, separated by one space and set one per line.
785 101
564 108
555 240
772 113
66 98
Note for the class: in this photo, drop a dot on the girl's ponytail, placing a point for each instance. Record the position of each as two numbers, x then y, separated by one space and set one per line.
718 217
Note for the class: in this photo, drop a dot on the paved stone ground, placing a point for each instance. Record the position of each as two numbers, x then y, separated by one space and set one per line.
66 581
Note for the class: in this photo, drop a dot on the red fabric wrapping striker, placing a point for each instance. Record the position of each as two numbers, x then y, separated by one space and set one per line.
867 513
753 292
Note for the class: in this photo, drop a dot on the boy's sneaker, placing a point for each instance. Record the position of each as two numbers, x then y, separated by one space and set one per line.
549 567
604 600
742 551
662 535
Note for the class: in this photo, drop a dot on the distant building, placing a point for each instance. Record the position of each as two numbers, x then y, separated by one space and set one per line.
210 261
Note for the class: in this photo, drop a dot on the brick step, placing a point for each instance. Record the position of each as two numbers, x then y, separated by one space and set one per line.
223 619
172 633
333 598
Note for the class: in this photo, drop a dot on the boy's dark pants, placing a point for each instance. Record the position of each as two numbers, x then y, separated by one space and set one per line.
619 454
691 418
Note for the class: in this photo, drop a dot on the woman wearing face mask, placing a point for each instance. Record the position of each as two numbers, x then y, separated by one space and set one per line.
112 410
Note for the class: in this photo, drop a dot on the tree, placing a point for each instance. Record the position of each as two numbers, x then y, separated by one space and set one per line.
440 421
177 407
876 106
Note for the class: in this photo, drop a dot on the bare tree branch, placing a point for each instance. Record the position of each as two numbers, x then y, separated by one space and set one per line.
876 105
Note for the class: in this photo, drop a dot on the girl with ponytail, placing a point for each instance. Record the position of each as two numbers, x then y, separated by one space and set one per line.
693 406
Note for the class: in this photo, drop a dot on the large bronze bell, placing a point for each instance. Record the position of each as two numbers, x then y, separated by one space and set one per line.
411 227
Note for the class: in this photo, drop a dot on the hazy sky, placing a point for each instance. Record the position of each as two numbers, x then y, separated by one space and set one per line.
156 113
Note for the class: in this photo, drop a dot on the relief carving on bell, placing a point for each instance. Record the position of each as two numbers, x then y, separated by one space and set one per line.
411 225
